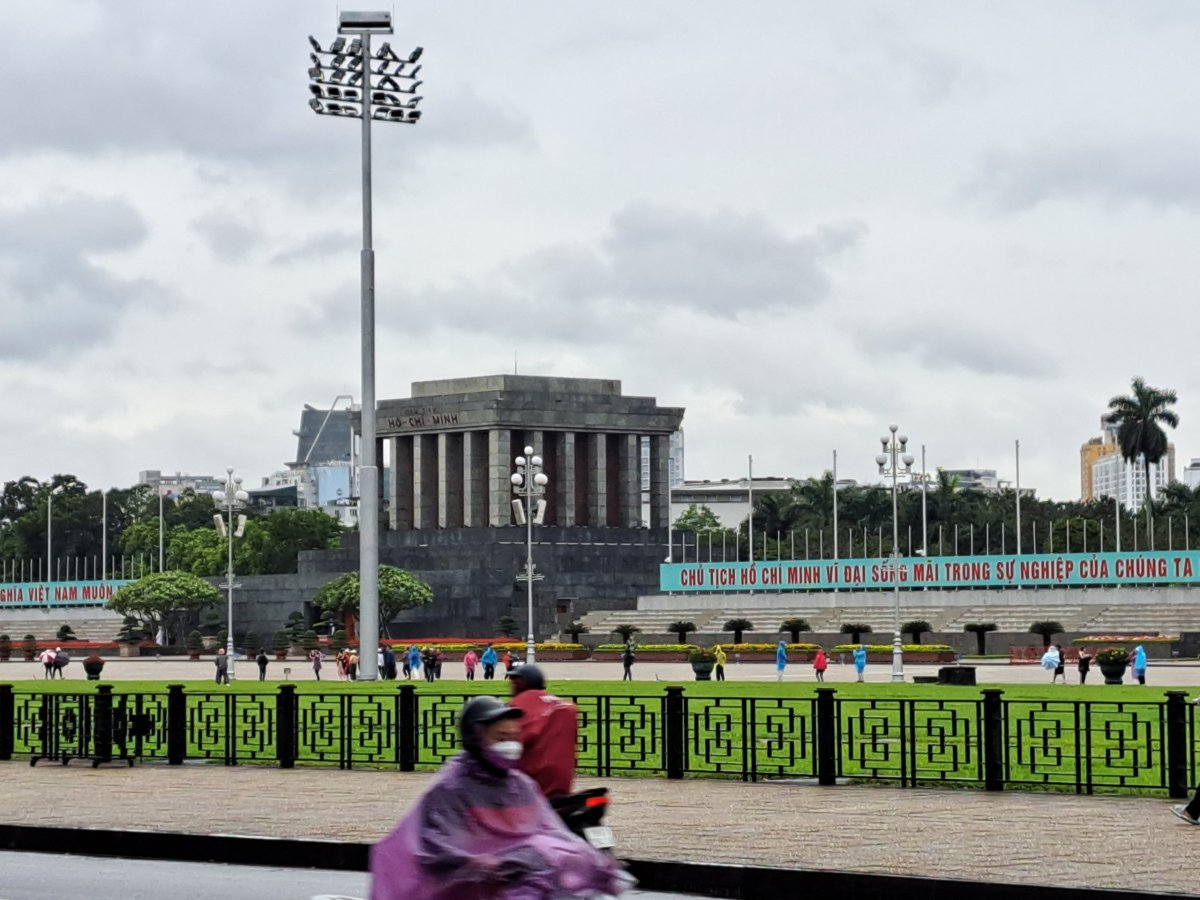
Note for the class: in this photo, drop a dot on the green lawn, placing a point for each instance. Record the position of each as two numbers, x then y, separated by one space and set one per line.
887 732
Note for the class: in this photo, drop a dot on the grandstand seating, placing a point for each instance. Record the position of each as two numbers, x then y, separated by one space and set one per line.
88 625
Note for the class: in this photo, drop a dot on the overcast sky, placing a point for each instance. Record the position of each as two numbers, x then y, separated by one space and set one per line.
800 221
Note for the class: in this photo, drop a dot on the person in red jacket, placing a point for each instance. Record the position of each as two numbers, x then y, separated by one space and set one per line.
549 728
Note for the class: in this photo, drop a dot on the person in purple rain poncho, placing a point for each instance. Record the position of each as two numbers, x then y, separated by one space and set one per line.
484 830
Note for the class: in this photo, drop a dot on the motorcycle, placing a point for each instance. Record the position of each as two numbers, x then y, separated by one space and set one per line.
583 814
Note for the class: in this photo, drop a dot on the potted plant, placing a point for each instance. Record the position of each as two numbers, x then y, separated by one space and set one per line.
29 647
702 663
337 643
195 643
310 641
65 633
295 629
1112 662
281 643
130 636
250 644
210 625
5 647
93 666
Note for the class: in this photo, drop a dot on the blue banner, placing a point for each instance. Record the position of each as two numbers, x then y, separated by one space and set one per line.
58 593
1026 570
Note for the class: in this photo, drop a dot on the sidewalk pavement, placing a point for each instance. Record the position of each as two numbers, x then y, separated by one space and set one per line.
1018 837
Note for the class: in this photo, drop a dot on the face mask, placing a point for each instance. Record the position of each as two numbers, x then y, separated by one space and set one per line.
504 754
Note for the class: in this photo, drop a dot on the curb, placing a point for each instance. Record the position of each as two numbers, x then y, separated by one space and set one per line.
705 879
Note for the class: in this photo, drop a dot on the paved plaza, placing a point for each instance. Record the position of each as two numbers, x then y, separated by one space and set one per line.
1055 839
995 672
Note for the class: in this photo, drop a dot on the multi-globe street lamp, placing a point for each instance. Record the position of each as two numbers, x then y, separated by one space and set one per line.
529 484
890 462
230 500
344 84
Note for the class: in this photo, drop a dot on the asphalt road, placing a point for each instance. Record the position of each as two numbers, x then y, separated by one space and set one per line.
38 876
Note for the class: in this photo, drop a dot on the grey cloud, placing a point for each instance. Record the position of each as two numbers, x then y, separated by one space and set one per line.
939 345
938 77
226 237
318 246
1159 172
55 300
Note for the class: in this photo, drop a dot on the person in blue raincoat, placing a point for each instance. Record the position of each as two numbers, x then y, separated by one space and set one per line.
488 661
860 660
1139 664
414 658
780 660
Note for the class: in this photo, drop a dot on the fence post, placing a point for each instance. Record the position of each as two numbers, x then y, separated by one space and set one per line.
1177 755
674 732
8 714
827 759
176 725
285 726
102 725
993 740
406 730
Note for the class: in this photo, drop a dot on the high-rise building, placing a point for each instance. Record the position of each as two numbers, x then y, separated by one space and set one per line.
1191 474
1113 476
1092 451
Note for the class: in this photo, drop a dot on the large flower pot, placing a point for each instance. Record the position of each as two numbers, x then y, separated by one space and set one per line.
1113 672
703 669
93 670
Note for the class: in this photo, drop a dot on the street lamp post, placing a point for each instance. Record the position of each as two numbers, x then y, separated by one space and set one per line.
231 499
344 84
50 533
889 463
529 483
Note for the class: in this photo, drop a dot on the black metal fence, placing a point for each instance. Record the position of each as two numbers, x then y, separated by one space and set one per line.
989 741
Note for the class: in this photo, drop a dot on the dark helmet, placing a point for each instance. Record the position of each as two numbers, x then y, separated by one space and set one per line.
531 675
479 712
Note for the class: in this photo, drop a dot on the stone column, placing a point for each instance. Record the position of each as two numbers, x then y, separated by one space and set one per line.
475 479
630 481
566 476
450 479
400 508
425 481
500 470
597 480
660 485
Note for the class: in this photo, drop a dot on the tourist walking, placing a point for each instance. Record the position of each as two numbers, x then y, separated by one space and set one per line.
507 660
488 660
222 664
438 658
1139 664
315 656
1085 665
262 661
47 660
627 663
352 665
820 663
389 663
61 659
1051 662
414 659
719 662
470 661
860 661
429 664
781 660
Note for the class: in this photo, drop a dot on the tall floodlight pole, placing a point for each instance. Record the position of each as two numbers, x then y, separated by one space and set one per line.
924 513
835 522
889 463
750 484
1018 448
344 84
529 484
231 499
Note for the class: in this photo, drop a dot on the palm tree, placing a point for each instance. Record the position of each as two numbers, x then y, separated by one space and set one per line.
916 629
1047 629
980 629
575 629
737 626
626 632
1139 419
681 629
794 627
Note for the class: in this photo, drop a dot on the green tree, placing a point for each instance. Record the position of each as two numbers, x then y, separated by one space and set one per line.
164 599
398 590
272 544
980 630
507 626
575 629
794 626
916 628
681 630
1139 418
698 519
737 626
856 631
1047 629
626 632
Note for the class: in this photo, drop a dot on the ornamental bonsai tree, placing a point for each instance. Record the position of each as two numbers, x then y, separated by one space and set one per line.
310 641
195 643
681 630
980 629
65 633
1047 629
280 644
916 628
338 641
856 631
131 631
5 647
29 647
507 626
737 626
794 626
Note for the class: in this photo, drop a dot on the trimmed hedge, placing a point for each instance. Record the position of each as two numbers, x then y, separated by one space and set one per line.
887 648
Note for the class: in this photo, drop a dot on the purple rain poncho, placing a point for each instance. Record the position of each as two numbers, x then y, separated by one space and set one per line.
477 833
